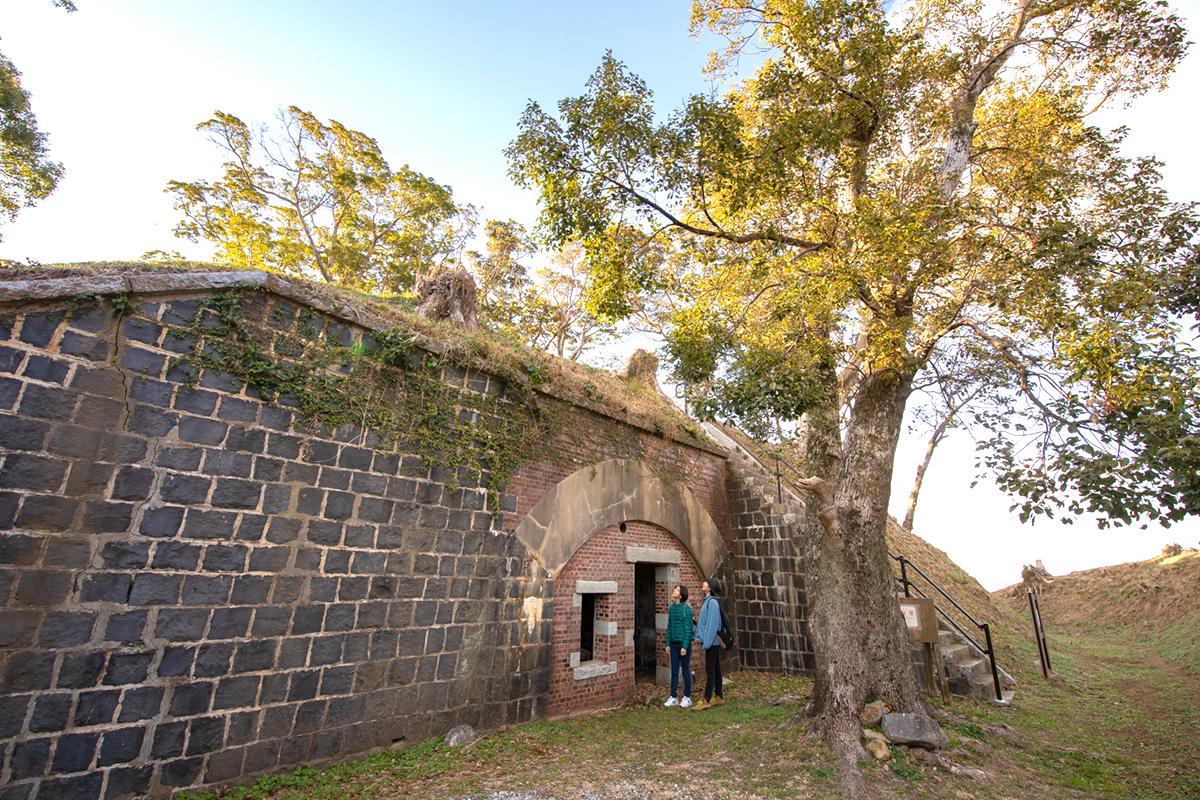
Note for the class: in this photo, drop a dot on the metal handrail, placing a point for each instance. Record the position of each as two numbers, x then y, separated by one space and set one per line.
989 650
940 590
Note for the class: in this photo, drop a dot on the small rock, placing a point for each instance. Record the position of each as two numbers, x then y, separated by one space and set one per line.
916 730
872 713
787 699
461 734
878 749
968 772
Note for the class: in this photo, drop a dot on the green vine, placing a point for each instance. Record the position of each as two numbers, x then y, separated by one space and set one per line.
383 384
123 304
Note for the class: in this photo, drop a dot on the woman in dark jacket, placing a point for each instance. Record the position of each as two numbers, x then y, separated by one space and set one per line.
707 632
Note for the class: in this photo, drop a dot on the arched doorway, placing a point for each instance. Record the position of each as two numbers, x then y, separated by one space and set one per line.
615 538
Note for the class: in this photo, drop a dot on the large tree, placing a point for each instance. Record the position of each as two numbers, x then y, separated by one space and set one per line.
313 197
882 187
27 174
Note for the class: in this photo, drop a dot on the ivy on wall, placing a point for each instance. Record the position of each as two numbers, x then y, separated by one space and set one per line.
397 395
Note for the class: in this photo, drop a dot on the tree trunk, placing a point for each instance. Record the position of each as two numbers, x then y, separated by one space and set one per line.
857 632
915 492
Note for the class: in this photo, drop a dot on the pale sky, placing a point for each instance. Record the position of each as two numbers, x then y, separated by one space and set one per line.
120 85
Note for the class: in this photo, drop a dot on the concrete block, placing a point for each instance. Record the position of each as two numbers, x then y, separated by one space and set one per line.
596 587
652 555
606 628
595 669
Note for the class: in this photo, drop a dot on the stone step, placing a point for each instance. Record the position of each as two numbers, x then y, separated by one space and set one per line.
984 689
975 668
953 653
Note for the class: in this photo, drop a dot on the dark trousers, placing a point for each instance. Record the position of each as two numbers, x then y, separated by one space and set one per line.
678 663
712 670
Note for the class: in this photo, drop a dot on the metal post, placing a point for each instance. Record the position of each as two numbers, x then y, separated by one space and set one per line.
1041 633
904 575
987 633
778 481
1043 656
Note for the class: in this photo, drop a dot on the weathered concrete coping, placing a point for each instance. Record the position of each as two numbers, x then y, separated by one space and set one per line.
151 283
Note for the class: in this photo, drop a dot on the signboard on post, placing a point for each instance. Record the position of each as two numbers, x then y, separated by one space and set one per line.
920 619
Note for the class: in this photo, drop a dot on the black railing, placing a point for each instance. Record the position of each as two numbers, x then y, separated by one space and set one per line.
781 465
987 649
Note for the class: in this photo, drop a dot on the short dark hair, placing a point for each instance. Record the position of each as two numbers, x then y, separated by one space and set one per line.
714 585
682 593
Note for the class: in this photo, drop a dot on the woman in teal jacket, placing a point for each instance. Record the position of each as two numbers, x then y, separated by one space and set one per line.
679 643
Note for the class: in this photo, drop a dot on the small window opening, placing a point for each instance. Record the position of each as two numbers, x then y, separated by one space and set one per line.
622 527
587 628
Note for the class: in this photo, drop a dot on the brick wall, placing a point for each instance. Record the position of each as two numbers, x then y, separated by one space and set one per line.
198 586
602 558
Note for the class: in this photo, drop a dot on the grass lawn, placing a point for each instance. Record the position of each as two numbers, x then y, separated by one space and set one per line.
1117 722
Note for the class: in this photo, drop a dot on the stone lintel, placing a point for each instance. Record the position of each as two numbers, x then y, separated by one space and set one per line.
595 587
595 669
652 555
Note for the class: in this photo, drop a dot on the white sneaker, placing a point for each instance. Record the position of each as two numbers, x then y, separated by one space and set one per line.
671 702
687 702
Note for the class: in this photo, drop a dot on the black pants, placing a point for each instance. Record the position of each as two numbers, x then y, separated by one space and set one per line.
712 671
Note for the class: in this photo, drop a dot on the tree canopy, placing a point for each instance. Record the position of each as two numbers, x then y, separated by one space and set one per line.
314 196
887 185
890 184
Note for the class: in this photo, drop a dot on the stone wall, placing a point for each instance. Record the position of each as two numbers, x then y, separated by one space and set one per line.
200 586
769 594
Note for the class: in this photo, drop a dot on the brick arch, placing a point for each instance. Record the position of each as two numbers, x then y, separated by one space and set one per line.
610 492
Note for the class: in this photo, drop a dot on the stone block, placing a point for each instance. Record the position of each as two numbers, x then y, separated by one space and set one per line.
596 587
150 589
594 669
126 628
73 752
141 703
50 713
29 758
160 522
128 782
120 746
127 668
